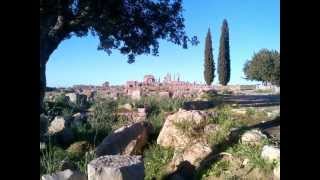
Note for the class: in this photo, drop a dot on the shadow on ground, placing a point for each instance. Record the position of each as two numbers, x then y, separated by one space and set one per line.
253 100
186 171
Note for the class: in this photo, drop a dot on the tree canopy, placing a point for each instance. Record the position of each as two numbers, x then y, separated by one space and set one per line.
264 66
131 26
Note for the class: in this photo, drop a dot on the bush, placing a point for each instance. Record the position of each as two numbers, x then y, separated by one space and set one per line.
60 107
156 105
155 159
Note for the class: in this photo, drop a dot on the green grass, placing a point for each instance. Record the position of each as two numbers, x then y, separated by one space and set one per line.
264 91
155 160
189 128
50 159
216 169
157 104
82 161
52 156
157 121
251 117
253 153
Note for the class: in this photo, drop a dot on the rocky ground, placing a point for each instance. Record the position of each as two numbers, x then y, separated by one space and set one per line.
210 136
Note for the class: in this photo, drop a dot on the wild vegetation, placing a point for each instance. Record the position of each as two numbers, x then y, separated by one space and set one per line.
103 119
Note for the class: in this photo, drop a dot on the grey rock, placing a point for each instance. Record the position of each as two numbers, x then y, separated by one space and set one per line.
126 140
116 167
78 119
42 146
58 124
270 153
65 164
65 175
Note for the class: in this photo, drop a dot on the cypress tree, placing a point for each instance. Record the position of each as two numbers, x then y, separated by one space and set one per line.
208 60
224 55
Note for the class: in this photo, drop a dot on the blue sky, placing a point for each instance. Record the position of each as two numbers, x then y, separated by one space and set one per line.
253 25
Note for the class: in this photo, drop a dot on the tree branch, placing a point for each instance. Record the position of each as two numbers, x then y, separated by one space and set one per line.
78 19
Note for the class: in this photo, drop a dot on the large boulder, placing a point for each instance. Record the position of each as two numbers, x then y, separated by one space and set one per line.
175 137
72 97
127 140
60 131
58 124
116 167
65 175
193 154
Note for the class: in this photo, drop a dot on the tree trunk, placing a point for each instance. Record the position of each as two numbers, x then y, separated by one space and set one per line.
47 46
42 82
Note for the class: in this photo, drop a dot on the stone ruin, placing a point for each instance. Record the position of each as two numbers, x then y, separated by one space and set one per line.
149 80
169 88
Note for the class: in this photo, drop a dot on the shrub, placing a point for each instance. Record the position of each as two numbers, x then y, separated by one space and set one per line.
156 104
94 136
155 159
157 121
60 107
